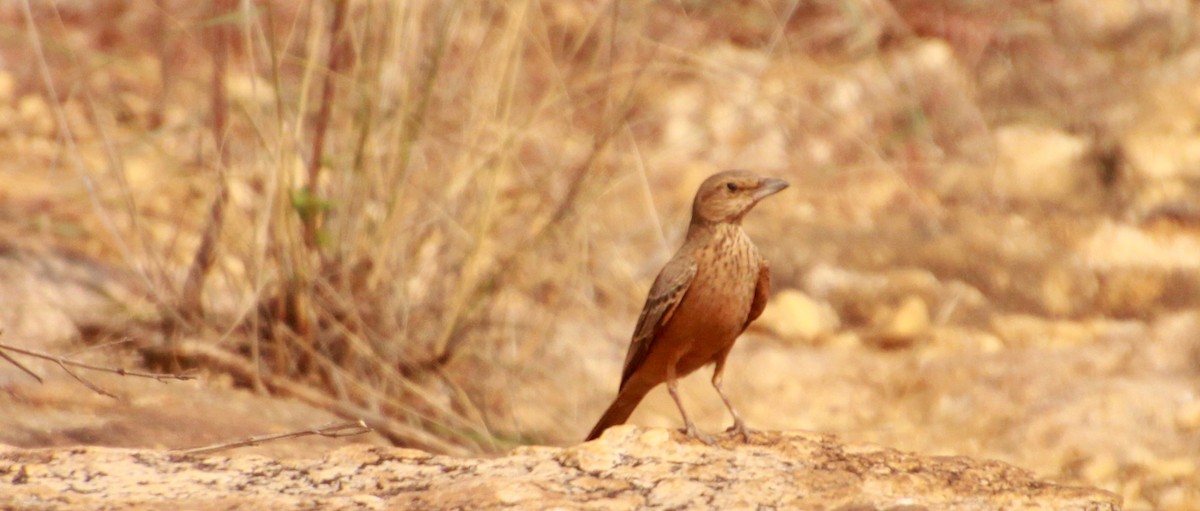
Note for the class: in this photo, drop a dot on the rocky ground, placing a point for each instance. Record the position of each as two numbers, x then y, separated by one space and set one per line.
627 468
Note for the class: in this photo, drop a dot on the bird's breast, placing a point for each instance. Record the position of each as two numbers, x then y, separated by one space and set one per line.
722 291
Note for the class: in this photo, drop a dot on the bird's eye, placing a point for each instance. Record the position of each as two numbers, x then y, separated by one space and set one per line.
731 186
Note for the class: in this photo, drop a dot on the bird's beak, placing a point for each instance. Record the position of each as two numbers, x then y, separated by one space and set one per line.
768 187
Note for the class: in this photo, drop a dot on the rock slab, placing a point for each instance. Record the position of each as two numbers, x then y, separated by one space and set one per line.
628 468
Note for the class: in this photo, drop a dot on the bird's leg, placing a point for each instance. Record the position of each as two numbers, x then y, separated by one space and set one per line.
738 427
689 428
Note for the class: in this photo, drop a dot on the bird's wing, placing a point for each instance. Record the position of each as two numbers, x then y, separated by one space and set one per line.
664 297
761 289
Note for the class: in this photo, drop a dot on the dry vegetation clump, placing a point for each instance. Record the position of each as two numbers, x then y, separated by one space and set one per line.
353 195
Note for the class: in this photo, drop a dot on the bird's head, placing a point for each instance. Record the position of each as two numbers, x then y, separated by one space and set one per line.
727 196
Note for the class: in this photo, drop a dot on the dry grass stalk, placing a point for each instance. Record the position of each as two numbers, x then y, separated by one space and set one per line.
332 430
367 216
66 364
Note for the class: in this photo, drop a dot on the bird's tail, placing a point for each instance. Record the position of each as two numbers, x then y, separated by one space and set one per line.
620 409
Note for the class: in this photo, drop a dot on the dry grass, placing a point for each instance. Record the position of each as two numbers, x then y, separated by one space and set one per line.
384 172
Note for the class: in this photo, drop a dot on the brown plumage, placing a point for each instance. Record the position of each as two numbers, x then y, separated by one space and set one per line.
702 300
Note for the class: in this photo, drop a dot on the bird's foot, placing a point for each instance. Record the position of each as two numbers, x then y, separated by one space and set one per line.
691 431
739 428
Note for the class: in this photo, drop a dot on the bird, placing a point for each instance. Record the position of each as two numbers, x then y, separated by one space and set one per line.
705 296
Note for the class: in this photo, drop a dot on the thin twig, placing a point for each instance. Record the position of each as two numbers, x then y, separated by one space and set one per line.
397 432
63 361
331 430
13 361
101 346
95 388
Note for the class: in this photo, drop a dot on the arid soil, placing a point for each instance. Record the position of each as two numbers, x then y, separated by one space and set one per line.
990 248
626 469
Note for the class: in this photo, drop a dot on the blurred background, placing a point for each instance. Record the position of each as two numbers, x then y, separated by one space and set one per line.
444 217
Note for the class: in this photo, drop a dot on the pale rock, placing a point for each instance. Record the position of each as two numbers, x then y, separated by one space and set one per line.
1066 291
655 437
1124 246
8 87
592 457
247 88
1177 468
1187 417
1163 199
777 470
369 502
910 319
1101 21
1178 498
1157 154
517 493
958 339
1038 163
1102 467
991 344
844 341
34 116
46 295
1023 330
903 325
1162 142
794 316
677 494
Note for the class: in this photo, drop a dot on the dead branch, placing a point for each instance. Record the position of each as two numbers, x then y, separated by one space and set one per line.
331 430
13 361
395 431
66 364
95 388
